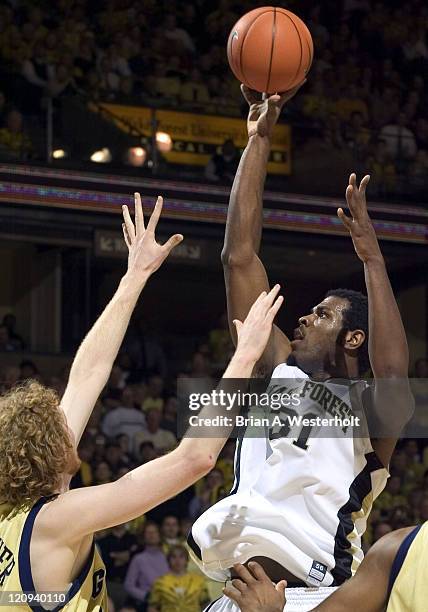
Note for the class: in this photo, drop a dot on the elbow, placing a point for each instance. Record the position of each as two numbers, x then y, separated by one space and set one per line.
199 463
237 257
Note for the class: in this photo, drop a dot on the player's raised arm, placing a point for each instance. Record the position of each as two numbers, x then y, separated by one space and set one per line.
388 349
245 275
94 359
156 481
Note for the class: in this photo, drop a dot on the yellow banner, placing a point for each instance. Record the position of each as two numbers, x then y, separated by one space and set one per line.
197 137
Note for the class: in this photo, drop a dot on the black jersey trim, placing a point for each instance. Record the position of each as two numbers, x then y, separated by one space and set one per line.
25 574
400 557
358 491
192 544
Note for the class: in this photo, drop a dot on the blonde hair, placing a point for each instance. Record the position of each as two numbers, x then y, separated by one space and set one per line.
35 444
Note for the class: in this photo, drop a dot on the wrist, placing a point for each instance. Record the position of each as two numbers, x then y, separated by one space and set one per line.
132 283
375 261
242 359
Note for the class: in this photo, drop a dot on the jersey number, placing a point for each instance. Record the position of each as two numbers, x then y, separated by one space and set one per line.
97 582
284 431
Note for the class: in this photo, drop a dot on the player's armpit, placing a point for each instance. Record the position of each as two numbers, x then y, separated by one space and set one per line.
81 512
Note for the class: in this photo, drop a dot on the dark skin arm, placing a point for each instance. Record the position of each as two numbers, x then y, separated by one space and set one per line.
367 590
245 275
388 349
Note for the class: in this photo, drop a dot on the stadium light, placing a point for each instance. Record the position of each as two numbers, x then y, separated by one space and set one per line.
59 153
136 156
102 156
163 142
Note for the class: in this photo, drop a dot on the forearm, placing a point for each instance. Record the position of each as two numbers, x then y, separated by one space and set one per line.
388 349
101 345
232 383
245 215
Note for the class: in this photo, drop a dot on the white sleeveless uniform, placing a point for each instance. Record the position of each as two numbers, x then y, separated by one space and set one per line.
298 498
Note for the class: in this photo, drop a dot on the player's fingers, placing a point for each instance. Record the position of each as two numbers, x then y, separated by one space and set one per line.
155 214
274 308
280 587
125 235
240 585
364 183
243 573
233 594
257 571
128 222
250 95
238 325
349 194
172 242
139 215
345 220
353 179
271 296
254 308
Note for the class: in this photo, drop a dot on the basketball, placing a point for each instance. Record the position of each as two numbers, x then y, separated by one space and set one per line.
270 50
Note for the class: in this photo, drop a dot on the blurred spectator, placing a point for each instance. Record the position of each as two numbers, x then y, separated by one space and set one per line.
103 473
154 394
9 376
147 452
116 460
9 320
117 549
222 166
147 566
163 440
170 533
193 90
14 141
6 343
124 419
145 350
210 491
399 139
28 370
177 36
178 590
380 530
220 342
169 415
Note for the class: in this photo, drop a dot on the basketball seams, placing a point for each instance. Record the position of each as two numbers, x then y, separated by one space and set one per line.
286 14
271 9
271 50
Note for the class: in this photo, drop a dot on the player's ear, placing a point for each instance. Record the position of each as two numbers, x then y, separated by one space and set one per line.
354 339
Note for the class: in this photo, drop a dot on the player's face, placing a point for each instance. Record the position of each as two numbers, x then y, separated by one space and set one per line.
317 339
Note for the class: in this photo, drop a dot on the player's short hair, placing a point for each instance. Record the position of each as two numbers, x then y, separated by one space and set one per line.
356 316
35 444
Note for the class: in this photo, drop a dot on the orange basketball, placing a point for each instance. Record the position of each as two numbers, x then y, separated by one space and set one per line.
270 50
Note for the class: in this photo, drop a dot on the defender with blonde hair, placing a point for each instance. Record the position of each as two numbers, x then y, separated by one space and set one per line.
47 530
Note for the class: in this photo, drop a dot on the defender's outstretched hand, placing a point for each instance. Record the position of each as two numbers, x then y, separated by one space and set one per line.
265 112
254 332
360 226
145 254
253 591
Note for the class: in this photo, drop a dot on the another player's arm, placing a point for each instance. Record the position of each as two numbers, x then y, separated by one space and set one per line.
156 481
253 591
245 275
94 359
388 349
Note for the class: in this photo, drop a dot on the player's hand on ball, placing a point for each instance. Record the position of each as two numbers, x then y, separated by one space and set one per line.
145 254
264 112
253 591
253 333
360 226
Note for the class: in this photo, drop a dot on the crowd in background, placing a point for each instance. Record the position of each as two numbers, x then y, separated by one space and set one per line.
135 421
366 90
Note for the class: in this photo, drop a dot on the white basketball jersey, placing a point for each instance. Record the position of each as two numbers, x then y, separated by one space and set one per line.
298 498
